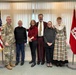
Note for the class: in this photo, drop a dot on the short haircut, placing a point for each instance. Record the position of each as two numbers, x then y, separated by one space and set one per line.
20 21
8 17
40 14
59 18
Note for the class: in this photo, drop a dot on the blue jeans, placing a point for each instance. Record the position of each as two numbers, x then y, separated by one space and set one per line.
20 51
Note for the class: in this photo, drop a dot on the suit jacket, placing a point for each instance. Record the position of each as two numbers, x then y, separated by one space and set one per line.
44 23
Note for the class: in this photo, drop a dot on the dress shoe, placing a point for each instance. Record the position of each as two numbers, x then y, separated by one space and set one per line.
38 62
17 63
22 63
30 62
57 64
61 65
42 63
8 67
33 64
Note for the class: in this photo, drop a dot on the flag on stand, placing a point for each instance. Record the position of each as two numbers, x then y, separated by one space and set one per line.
1 43
73 33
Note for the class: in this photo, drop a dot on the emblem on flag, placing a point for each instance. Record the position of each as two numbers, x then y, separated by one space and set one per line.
73 32
72 40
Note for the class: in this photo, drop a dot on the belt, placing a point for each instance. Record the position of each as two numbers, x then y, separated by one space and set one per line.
40 36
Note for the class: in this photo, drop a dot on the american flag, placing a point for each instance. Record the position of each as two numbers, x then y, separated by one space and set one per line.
1 43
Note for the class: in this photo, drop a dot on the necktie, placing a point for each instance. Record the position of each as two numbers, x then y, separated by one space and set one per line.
40 27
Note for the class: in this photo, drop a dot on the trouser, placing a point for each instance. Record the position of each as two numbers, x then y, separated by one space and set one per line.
33 46
20 50
40 50
9 54
49 54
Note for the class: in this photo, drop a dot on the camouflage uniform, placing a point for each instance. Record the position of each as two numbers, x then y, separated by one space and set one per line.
8 36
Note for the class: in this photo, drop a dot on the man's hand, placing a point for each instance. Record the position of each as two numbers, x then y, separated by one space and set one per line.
6 44
25 44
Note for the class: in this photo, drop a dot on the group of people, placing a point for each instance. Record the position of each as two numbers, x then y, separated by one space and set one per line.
48 40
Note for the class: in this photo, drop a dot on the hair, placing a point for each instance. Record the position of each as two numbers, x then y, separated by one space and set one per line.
31 22
59 18
50 21
40 14
20 21
8 17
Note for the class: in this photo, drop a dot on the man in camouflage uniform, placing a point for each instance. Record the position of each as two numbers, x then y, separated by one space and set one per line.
8 40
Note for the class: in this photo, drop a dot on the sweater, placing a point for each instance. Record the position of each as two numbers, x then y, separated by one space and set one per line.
20 35
49 35
33 32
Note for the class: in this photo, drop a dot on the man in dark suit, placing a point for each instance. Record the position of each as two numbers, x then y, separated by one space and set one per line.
40 49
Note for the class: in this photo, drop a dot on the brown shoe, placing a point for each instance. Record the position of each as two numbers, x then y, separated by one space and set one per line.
12 65
8 67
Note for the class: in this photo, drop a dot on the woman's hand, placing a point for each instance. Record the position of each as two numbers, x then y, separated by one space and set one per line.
49 44
29 39
32 37
66 42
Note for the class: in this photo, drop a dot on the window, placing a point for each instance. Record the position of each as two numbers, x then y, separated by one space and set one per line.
28 11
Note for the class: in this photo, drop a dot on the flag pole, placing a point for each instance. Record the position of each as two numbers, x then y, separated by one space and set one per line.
72 65
73 59
2 58
2 50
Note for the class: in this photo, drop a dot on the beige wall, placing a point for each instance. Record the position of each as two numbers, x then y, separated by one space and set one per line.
28 11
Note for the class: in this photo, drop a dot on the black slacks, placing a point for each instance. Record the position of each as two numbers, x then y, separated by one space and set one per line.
33 46
49 53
